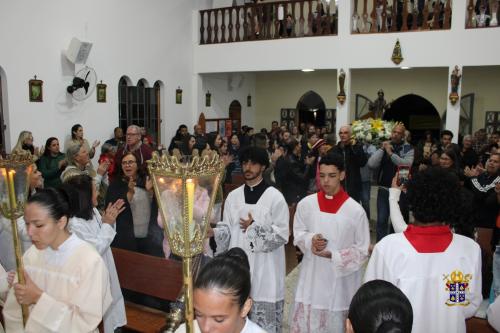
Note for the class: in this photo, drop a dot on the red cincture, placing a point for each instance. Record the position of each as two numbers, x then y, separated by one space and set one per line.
332 205
432 239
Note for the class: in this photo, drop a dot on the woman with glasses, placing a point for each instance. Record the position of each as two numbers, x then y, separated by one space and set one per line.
136 189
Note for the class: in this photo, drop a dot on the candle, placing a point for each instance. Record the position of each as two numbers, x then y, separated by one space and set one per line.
190 198
12 192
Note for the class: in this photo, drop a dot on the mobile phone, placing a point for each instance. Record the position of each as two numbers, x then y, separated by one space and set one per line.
403 174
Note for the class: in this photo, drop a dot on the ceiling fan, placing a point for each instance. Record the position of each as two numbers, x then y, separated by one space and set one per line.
83 84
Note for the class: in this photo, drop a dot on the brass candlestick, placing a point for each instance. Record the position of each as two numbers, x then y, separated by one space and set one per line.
185 192
15 172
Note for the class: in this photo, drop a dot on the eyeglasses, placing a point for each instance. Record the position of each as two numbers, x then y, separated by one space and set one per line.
128 162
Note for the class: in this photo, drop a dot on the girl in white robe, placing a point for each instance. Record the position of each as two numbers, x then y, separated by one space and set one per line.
222 296
99 231
67 284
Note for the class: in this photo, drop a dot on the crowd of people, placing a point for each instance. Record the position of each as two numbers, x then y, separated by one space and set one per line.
437 230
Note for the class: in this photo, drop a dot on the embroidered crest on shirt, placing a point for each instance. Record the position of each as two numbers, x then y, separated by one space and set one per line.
457 284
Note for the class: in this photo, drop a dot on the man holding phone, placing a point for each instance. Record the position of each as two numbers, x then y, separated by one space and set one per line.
331 229
391 155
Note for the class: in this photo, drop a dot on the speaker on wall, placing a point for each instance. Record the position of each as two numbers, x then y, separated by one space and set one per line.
78 51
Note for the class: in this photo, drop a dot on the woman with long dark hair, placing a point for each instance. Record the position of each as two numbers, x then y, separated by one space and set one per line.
52 163
135 189
88 224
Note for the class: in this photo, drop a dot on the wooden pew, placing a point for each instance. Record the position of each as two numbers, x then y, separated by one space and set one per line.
151 276
478 325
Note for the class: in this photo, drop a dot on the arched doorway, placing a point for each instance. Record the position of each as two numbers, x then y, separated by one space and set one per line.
418 115
311 109
235 116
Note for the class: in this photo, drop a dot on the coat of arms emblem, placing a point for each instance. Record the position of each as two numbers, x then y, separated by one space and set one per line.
457 284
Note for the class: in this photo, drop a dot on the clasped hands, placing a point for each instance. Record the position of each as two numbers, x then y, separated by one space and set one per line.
27 293
318 246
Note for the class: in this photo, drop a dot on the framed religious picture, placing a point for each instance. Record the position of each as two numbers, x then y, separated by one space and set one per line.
249 100
101 92
291 114
178 95
492 121
36 90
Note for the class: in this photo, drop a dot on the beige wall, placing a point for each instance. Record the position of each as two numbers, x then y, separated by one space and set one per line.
429 83
485 83
276 90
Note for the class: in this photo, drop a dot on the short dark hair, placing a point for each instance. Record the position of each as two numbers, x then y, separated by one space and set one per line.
256 155
333 159
228 273
447 132
259 140
379 306
433 195
79 190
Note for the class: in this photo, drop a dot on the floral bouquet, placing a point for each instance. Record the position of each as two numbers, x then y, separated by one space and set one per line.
373 131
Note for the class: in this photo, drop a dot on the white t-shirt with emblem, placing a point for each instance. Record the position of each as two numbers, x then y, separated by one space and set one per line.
428 281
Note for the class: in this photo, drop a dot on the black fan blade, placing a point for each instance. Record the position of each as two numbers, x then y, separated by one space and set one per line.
86 87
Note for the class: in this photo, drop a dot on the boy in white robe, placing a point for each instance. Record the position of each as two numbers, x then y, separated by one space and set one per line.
256 219
331 229
439 272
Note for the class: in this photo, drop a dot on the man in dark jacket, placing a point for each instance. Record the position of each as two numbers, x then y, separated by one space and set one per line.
354 158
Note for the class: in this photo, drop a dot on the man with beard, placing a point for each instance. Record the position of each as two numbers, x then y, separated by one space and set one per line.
256 220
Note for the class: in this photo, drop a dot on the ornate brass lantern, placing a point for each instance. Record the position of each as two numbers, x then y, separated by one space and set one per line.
15 172
186 193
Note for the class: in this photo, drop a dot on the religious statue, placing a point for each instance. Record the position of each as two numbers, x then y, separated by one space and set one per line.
397 55
379 105
454 82
341 95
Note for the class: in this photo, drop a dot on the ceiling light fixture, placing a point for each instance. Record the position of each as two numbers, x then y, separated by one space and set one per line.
306 70
405 67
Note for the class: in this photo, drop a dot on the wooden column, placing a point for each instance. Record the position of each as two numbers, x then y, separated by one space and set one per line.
202 28
237 32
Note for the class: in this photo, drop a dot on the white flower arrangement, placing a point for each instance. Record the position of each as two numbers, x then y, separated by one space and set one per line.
372 131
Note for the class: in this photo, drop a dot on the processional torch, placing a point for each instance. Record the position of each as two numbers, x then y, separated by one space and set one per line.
186 192
15 173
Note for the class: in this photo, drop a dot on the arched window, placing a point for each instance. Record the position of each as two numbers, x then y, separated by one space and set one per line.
139 105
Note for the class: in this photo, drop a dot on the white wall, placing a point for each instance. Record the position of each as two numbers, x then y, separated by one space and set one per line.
226 87
141 39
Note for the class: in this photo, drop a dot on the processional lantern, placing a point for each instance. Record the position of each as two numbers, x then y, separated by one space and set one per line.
15 173
185 191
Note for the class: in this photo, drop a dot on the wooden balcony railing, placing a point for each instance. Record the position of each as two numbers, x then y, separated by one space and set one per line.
375 16
482 13
269 20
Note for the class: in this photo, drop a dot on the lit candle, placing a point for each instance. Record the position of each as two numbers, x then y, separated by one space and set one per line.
190 198
12 192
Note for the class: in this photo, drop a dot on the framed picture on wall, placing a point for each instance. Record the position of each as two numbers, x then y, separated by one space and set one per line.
101 92
36 90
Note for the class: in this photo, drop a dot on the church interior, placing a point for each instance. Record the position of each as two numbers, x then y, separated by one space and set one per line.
159 64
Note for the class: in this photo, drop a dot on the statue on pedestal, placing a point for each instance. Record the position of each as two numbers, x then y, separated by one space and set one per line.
379 105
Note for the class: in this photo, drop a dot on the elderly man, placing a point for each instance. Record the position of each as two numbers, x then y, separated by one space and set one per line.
134 144
386 160
354 158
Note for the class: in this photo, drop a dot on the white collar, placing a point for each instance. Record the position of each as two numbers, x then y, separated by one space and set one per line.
58 257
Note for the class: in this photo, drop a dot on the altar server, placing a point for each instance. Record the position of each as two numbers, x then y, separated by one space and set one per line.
439 272
331 229
67 284
256 219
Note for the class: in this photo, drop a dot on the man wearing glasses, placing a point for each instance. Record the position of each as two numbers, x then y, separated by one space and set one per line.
134 144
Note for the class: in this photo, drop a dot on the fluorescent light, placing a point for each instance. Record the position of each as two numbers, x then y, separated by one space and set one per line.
308 70
405 67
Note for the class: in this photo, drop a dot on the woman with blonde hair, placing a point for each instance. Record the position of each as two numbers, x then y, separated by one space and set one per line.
25 144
